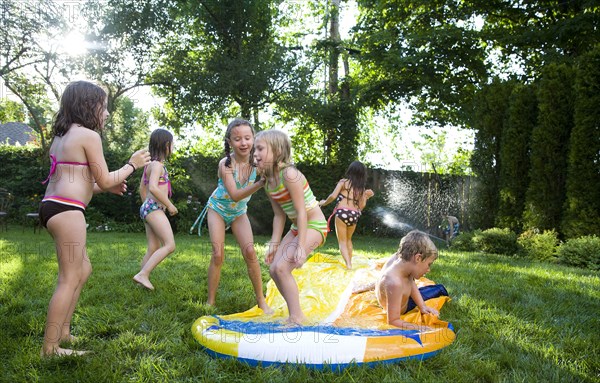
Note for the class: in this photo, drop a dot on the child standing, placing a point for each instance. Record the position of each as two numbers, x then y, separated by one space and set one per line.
451 228
227 207
78 171
351 198
290 195
396 283
155 190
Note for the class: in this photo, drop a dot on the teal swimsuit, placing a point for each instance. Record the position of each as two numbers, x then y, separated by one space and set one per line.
220 201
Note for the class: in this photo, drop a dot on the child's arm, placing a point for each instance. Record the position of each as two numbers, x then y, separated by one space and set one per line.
117 189
294 180
153 172
229 182
279 218
393 305
366 195
334 193
416 296
92 146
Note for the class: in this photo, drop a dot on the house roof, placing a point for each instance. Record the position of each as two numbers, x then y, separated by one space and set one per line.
16 133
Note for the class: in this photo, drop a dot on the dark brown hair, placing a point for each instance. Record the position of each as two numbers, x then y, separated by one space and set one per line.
160 144
357 178
81 103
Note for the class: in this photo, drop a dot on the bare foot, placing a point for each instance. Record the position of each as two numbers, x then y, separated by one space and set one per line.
265 308
296 321
144 281
57 351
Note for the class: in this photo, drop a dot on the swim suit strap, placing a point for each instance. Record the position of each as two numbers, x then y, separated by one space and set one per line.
199 221
53 164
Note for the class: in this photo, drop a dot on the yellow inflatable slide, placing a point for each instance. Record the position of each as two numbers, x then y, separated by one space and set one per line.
346 328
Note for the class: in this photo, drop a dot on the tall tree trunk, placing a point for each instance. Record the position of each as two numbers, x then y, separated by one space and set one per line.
333 86
334 50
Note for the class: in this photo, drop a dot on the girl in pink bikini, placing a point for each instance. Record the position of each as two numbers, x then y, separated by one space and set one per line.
351 197
155 190
78 171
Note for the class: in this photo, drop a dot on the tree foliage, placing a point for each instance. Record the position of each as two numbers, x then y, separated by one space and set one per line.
545 194
11 111
426 51
515 156
491 113
24 26
438 54
128 128
582 207
224 58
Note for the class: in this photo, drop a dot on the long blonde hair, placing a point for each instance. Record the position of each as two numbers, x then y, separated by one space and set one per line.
280 145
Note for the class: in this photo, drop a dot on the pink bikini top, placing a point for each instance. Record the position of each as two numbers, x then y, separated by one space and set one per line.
53 164
162 180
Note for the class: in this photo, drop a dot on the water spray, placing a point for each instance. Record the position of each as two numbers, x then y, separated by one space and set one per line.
388 218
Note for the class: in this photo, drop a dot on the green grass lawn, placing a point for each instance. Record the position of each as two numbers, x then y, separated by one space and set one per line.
516 321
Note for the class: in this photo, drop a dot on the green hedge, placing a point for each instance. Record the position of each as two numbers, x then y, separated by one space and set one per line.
539 246
402 200
581 252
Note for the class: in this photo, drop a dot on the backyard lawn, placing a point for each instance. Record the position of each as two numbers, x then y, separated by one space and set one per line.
516 321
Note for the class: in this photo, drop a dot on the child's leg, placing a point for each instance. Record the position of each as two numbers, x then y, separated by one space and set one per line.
243 233
282 266
216 229
86 270
153 243
349 233
160 225
341 231
68 231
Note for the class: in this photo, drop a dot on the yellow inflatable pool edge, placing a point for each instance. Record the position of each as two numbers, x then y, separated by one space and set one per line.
347 328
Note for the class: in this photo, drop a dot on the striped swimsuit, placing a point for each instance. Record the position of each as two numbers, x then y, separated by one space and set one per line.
281 195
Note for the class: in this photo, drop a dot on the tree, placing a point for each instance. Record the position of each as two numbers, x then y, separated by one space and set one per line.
27 26
24 26
515 149
491 113
437 54
127 129
545 196
429 53
11 111
224 58
582 206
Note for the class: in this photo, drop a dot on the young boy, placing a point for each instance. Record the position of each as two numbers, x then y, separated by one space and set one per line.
396 283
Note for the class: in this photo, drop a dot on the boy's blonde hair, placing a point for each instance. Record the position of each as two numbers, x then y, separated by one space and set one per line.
280 145
416 242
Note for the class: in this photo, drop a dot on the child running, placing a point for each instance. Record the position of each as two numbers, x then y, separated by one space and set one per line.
78 171
155 190
227 207
351 197
290 195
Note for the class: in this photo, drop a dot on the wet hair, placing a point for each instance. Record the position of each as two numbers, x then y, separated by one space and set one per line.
160 144
357 177
280 145
81 103
234 124
416 242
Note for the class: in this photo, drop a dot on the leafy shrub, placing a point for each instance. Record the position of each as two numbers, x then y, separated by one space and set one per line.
540 246
496 241
581 252
464 241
